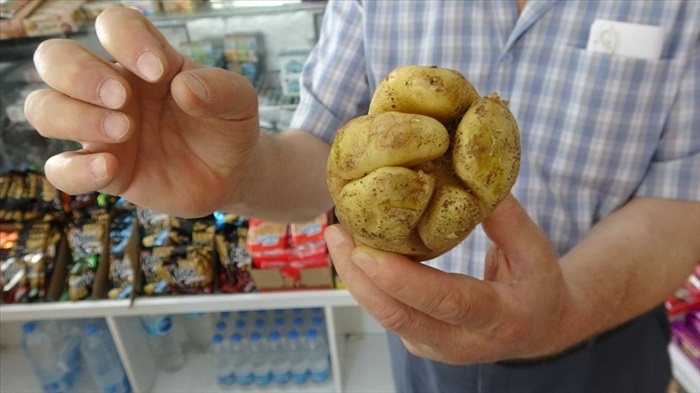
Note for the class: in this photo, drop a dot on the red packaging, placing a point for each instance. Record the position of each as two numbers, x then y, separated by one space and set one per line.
266 237
309 232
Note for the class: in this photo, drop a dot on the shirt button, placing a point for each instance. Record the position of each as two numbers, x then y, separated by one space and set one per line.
507 58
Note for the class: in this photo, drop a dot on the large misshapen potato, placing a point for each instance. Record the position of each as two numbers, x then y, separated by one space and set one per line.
426 165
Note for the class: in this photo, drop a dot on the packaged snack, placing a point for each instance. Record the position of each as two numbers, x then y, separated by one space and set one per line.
309 232
87 238
123 252
177 255
27 262
289 256
234 259
266 237
28 195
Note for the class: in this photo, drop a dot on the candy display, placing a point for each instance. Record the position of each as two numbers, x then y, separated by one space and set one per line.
27 260
177 254
95 246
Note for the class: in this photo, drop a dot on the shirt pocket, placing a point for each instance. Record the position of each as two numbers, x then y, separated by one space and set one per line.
603 119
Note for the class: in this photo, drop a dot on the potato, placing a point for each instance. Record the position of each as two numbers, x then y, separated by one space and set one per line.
426 165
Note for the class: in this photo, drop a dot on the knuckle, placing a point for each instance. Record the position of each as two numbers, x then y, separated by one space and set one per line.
393 319
450 307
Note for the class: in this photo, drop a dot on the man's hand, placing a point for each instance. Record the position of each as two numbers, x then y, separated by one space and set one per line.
154 127
514 313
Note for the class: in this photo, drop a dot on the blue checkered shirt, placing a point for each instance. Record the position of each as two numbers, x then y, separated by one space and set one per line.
597 129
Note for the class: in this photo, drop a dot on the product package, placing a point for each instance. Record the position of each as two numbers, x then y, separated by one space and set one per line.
243 52
290 256
235 262
124 277
27 195
28 255
87 234
55 17
177 255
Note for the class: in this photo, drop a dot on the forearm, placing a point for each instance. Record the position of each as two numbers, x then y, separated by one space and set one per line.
285 180
628 263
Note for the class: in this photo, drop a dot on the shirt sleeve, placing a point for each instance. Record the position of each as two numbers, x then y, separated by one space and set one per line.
674 171
334 86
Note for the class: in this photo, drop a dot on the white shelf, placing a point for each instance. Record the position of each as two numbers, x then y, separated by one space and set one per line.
683 370
176 304
366 364
366 369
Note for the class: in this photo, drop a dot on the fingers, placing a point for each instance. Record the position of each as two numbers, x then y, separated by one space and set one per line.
71 69
388 311
452 298
136 44
53 115
66 171
517 236
215 92
392 308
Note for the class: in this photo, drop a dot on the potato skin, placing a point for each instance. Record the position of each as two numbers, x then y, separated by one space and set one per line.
440 93
426 165
486 153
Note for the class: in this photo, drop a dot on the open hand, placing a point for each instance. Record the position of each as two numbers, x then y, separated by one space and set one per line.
154 127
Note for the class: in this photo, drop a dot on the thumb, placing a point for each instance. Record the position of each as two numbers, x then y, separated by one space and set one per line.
515 234
215 92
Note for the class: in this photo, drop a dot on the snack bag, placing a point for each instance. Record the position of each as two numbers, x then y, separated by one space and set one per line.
27 260
234 259
177 254
123 252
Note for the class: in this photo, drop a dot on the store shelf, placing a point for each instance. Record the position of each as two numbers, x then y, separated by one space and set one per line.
366 370
366 363
683 370
176 304
196 376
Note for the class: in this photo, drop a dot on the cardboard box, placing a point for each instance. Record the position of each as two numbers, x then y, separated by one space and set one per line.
55 17
274 280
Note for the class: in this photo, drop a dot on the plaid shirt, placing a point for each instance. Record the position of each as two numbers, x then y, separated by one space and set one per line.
596 129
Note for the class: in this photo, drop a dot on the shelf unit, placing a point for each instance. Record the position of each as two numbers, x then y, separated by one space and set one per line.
356 341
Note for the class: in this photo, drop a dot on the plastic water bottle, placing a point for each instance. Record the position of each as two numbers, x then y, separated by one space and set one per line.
103 360
198 326
259 359
43 356
221 362
318 356
278 358
164 344
242 368
298 366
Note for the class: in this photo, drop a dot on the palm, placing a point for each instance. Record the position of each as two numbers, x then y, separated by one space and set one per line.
175 154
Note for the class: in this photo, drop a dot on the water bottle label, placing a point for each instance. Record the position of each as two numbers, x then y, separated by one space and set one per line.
320 376
281 378
245 380
263 379
225 380
52 388
159 327
300 378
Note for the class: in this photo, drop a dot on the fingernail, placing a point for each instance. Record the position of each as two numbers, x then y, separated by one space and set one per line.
98 167
149 66
364 261
196 86
332 236
115 125
111 93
